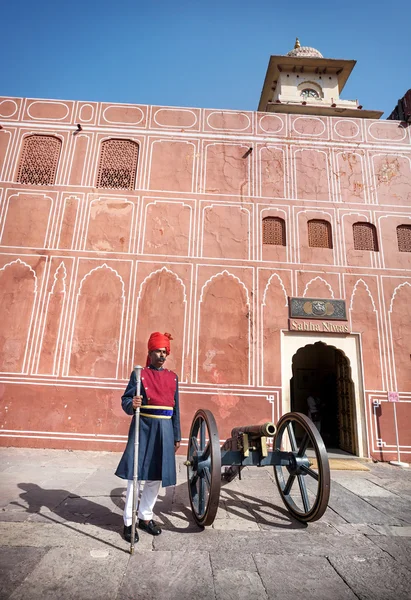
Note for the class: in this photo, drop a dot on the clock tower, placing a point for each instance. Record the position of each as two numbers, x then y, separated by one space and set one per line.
305 82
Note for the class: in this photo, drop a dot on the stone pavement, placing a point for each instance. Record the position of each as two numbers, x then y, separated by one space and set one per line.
60 518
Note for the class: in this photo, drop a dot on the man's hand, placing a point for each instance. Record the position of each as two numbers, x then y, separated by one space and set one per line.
137 400
176 446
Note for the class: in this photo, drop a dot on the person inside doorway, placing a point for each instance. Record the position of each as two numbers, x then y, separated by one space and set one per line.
314 405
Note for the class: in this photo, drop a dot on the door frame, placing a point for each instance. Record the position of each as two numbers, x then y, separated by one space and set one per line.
349 345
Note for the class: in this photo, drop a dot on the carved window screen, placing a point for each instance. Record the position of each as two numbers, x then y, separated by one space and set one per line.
39 160
365 237
274 231
319 234
118 165
404 238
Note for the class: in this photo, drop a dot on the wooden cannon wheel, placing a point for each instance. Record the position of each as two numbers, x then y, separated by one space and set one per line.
204 467
304 485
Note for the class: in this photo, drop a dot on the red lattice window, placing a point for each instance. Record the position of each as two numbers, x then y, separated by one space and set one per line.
319 234
274 231
365 237
404 238
39 160
118 165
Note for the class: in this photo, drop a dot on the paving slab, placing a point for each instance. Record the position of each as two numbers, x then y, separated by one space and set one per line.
68 573
301 578
361 486
398 508
168 576
235 584
401 487
379 578
15 565
357 510
398 549
71 535
278 542
240 560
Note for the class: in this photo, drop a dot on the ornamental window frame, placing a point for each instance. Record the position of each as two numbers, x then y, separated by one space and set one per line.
312 234
406 241
29 161
358 230
101 166
278 232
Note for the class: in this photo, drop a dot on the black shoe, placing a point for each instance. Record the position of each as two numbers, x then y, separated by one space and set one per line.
127 534
151 527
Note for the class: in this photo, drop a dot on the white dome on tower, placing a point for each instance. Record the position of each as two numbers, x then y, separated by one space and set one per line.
304 51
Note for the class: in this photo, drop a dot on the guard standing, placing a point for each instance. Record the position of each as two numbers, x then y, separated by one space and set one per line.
159 435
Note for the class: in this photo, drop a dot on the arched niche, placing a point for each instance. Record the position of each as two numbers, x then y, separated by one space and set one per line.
161 307
364 320
400 323
18 289
224 330
52 327
318 288
274 313
97 327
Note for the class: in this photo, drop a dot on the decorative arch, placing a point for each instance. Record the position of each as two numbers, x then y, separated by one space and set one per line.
18 294
97 325
50 347
162 306
365 320
274 313
400 330
322 370
314 283
223 343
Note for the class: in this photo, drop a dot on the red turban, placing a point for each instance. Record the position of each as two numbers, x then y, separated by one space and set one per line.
158 340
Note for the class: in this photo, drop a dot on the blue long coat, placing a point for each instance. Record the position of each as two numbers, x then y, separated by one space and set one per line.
156 457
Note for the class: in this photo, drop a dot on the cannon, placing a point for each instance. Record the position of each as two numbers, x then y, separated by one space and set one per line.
303 482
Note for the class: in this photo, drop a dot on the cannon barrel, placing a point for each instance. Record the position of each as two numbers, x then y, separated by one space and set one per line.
266 429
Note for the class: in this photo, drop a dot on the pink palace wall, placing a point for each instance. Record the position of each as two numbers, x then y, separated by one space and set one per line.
86 274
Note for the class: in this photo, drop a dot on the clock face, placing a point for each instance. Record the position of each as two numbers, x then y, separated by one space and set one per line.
309 93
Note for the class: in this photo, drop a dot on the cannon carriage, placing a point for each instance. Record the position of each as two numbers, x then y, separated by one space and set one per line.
298 457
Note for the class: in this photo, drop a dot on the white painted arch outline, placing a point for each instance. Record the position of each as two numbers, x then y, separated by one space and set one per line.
162 270
220 274
318 278
20 262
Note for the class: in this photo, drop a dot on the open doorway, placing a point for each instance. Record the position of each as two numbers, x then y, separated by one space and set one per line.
321 387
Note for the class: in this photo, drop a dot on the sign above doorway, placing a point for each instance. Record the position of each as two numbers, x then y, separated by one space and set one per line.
317 308
319 326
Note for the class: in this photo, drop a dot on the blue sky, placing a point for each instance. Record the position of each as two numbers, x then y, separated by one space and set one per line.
190 53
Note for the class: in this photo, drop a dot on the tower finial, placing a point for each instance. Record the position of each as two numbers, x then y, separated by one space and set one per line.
297 43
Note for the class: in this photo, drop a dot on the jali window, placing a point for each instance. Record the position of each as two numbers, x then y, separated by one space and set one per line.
365 237
39 160
274 231
118 165
319 234
404 238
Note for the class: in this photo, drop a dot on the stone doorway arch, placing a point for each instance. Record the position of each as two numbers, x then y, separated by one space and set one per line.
350 364
323 372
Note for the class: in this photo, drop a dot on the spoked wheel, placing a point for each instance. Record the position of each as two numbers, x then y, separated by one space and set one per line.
304 483
204 467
